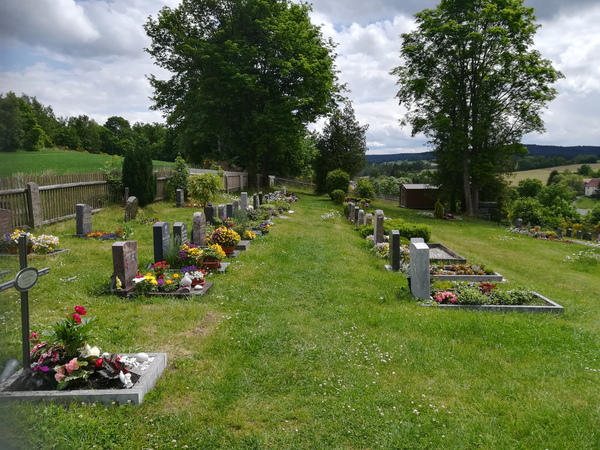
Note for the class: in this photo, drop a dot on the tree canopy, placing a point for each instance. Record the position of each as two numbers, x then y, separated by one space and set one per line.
248 76
472 83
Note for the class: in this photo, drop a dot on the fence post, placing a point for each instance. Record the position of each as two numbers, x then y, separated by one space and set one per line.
271 180
34 202
241 182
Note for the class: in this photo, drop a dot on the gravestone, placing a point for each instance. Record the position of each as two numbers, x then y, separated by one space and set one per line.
180 199
395 250
209 212
356 210
131 209
559 233
569 232
5 222
236 205
419 270
284 191
255 201
378 227
260 198
83 220
350 210
579 233
162 240
199 228
229 210
361 218
588 236
519 223
125 262
368 219
244 200
180 232
221 211
126 196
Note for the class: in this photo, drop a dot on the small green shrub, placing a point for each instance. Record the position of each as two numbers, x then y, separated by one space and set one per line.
364 189
438 210
338 196
268 207
366 230
179 179
337 179
204 187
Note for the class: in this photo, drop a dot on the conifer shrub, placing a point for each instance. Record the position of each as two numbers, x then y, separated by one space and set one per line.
337 179
138 176
438 209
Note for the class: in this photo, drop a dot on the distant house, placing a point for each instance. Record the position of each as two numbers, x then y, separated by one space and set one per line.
418 196
591 187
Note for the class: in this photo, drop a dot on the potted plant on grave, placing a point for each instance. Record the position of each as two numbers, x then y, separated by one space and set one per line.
65 360
197 276
11 241
188 253
211 257
226 238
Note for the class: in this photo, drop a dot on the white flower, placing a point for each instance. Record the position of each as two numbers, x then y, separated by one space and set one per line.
90 351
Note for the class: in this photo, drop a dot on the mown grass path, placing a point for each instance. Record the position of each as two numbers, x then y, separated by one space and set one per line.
308 343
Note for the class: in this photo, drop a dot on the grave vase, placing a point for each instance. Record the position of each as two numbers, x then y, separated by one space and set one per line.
197 282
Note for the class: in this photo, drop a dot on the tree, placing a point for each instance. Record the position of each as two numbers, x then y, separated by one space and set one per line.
247 77
342 144
10 123
585 170
137 174
472 84
529 187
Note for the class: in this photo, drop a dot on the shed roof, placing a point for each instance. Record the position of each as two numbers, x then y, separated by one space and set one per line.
418 186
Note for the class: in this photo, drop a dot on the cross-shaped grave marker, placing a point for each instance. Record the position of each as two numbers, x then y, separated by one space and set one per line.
23 282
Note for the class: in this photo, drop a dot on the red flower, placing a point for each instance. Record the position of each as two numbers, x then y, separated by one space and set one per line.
80 310
99 362
76 318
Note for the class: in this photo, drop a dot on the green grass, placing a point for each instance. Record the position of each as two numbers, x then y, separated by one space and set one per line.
586 202
543 174
55 161
309 343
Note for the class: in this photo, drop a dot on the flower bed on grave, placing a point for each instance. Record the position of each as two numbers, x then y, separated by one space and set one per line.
44 244
463 272
106 235
487 296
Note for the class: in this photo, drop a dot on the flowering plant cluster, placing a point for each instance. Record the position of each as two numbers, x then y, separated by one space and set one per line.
107 236
456 269
249 235
189 252
45 244
160 267
192 205
445 297
225 237
382 250
214 252
13 238
158 281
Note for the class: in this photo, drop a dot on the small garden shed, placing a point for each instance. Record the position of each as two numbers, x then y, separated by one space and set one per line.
418 196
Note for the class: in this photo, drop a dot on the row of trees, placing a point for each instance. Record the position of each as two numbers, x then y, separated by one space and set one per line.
540 161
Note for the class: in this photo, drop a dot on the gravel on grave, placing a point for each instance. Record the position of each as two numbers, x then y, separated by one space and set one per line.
437 253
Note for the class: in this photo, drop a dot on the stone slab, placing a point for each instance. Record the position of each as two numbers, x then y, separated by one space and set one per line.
135 395
243 245
551 307
235 254
442 254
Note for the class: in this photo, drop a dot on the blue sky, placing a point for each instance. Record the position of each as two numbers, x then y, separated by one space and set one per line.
86 57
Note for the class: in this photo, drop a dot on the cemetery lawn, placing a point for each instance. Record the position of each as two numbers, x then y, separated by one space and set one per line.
307 342
55 161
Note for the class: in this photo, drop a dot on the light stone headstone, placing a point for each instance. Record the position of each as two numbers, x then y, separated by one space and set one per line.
221 211
125 262
179 198
519 223
236 205
131 209
180 232
229 210
199 228
5 222
162 240
420 285
350 210
83 219
368 219
378 227
244 200
579 233
283 191
395 250
209 212
361 218
569 232
356 210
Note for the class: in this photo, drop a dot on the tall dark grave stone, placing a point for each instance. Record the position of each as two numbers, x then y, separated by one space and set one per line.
519 223
125 262
395 250
162 240
83 220
378 228
559 233
579 233
356 210
255 204
229 210
569 232
199 228
180 233
179 198
131 209
126 196
260 198
588 236
5 222
209 212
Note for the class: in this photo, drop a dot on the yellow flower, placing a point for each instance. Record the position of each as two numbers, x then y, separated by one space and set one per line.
175 275
169 281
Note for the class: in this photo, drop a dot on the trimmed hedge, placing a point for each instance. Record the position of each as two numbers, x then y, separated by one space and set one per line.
407 230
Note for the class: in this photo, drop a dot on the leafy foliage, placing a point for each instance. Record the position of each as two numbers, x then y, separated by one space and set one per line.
138 176
338 196
364 189
204 187
179 179
337 180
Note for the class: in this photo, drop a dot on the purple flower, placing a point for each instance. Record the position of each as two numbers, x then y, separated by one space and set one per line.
160 281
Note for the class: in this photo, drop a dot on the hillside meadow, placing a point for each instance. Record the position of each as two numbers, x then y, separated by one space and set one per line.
308 342
543 174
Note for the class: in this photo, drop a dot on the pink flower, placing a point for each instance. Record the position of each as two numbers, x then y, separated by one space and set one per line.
80 310
72 365
76 318
55 357
60 373
34 336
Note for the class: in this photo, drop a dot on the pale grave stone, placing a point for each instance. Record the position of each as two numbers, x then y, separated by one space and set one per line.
83 220
361 218
125 262
180 232
283 191
368 219
5 222
162 240
350 210
221 211
126 196
378 227
236 205
131 209
199 228
244 200
419 270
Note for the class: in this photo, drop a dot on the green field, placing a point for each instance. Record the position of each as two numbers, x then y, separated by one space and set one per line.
543 174
54 161
309 343
585 203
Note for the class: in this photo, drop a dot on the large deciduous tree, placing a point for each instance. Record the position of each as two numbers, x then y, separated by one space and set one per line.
248 76
474 85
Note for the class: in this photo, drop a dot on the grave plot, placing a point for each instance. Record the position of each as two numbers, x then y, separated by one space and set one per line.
463 272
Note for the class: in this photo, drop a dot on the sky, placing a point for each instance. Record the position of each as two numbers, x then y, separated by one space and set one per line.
87 57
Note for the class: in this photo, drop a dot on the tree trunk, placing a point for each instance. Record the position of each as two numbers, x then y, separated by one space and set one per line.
266 166
468 207
475 195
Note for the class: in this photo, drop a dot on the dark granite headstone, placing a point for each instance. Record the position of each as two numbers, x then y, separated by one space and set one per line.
579 233
519 223
356 209
131 209
395 250
260 198
83 219
588 236
125 262
162 240
229 210
179 198
209 212
126 196
255 204
5 222
180 232
378 226
199 228
569 232
559 232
